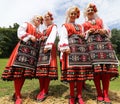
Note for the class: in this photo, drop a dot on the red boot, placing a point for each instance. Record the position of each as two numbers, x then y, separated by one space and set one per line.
18 101
106 81
41 82
41 96
18 83
71 100
107 100
79 86
47 82
80 100
44 84
98 88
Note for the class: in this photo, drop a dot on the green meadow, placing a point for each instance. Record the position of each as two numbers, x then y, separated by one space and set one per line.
58 91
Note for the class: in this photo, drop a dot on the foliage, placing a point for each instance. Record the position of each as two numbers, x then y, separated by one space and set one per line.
116 41
8 40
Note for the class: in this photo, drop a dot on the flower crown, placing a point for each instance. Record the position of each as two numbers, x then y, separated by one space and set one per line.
50 14
91 5
76 9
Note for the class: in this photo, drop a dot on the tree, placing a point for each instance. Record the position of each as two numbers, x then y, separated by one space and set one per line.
116 41
8 40
15 26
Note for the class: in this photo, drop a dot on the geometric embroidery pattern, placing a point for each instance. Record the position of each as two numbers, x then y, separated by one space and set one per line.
27 55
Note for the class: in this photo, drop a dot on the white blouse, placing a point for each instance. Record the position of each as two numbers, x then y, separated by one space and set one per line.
22 34
63 43
51 38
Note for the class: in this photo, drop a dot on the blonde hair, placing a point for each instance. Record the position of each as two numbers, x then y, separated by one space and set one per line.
76 9
41 19
37 17
50 14
93 6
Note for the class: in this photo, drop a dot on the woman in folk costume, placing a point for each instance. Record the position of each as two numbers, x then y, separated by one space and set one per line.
102 55
22 62
47 61
75 60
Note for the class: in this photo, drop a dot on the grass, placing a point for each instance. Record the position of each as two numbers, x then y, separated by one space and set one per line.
7 88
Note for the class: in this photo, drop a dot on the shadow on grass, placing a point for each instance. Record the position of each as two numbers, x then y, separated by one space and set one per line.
56 91
89 93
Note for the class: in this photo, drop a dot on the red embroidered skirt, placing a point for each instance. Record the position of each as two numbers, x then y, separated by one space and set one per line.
76 66
102 54
47 63
22 62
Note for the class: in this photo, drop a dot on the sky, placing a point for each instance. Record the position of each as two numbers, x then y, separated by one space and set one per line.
19 11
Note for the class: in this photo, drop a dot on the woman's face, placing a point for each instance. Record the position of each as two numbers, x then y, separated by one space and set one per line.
37 21
47 20
90 14
72 16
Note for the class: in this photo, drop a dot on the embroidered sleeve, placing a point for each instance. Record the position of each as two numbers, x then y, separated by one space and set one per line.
22 34
63 43
51 39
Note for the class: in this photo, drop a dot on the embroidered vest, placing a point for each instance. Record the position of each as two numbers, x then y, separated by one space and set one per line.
73 28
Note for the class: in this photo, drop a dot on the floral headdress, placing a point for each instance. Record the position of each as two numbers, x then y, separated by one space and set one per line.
91 8
37 17
50 14
75 8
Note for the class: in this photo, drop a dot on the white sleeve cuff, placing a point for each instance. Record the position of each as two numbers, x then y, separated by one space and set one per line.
27 38
62 49
49 47
86 34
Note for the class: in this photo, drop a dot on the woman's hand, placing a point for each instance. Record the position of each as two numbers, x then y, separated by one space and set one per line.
33 39
102 31
92 30
45 50
82 35
67 51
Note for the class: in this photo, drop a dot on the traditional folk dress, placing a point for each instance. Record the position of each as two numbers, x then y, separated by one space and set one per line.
102 54
47 62
23 60
76 65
